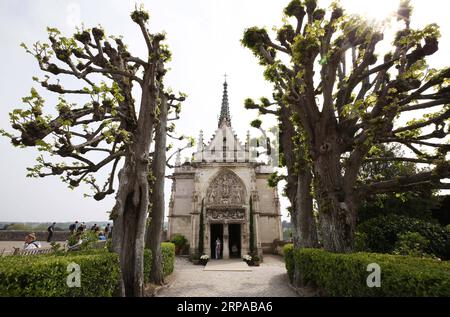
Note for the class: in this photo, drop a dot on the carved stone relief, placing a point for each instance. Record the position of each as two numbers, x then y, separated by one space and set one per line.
226 189
228 214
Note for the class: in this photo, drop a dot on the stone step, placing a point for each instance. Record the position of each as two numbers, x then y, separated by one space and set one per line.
227 265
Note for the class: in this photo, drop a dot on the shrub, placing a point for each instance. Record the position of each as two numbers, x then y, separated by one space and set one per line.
72 240
46 275
168 257
346 274
360 241
168 254
412 244
409 204
88 238
288 253
179 240
440 212
381 234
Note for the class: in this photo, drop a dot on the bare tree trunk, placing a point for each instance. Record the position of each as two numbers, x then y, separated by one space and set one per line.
337 208
132 199
303 220
129 230
299 183
157 196
305 214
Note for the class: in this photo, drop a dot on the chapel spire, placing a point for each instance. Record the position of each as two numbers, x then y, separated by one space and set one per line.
225 109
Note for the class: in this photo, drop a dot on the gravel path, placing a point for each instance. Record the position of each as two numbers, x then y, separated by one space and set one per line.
268 280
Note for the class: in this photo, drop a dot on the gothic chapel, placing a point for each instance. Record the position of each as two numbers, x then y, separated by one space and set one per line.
227 182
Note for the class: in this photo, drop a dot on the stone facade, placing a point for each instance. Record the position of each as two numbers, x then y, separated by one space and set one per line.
223 178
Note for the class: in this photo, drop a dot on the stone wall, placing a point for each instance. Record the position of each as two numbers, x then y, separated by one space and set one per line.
276 247
269 229
15 235
180 225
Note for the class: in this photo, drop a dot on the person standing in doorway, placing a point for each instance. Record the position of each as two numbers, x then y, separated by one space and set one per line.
218 248
51 230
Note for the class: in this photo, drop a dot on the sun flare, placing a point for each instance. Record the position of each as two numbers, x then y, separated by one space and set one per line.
376 10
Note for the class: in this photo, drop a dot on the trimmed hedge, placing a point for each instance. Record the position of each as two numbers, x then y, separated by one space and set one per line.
346 274
46 275
168 254
168 257
288 253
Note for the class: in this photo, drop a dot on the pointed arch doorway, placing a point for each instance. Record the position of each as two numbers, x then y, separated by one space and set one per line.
226 218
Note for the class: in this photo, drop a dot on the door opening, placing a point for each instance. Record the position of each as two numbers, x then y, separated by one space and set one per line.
216 233
234 231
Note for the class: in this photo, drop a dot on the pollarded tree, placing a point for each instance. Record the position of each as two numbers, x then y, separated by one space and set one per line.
299 177
109 126
416 203
347 100
169 104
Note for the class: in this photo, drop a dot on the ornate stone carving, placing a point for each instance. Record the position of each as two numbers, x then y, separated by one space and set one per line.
226 189
194 197
228 214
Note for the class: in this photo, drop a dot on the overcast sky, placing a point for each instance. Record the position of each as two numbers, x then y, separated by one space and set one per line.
204 37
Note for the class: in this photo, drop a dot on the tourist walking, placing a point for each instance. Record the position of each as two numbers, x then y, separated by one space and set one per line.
73 227
51 230
107 230
81 228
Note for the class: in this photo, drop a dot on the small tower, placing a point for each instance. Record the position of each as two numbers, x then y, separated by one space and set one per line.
247 147
199 155
200 142
178 159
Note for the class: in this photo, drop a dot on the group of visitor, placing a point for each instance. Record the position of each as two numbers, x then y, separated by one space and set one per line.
78 229
75 228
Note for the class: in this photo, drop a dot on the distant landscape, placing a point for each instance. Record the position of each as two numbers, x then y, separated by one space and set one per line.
42 226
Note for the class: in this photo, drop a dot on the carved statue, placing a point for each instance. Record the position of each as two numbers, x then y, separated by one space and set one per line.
225 186
213 195
226 189
236 195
